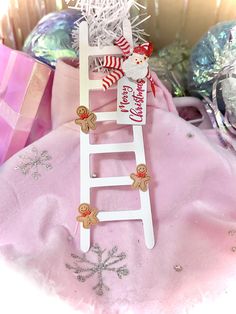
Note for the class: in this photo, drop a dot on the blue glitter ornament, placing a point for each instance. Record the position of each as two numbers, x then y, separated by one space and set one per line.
51 39
212 75
210 55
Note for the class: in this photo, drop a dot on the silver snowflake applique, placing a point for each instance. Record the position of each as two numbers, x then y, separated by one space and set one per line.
84 268
30 164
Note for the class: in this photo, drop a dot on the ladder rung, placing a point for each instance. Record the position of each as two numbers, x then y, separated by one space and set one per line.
97 84
107 50
104 116
110 181
120 215
111 148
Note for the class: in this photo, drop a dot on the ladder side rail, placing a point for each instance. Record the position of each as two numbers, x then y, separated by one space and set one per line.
84 138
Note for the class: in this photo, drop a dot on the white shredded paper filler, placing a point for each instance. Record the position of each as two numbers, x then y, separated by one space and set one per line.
105 19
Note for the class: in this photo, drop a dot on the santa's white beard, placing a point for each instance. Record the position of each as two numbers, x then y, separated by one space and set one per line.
135 71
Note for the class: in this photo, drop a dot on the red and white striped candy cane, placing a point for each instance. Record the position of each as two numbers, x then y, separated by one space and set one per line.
149 77
112 62
112 78
124 45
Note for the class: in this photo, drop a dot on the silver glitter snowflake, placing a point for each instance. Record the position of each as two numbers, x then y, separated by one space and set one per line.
30 164
84 268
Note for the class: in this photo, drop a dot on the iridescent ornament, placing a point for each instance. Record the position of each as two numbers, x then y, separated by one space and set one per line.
171 65
51 39
229 96
212 75
210 55
222 107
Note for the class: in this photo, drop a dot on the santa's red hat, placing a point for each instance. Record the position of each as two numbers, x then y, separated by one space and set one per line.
144 49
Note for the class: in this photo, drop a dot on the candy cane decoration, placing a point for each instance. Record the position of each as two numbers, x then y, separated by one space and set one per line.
133 64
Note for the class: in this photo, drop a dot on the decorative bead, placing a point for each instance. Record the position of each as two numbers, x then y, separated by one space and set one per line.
231 232
190 135
178 268
233 249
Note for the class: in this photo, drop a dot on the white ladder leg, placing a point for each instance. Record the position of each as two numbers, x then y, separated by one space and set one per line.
84 188
144 196
147 219
84 138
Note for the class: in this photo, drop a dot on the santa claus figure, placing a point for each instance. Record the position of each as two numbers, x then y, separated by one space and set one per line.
136 66
133 64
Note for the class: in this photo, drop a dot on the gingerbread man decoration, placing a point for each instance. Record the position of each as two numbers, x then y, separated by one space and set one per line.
141 178
88 215
86 120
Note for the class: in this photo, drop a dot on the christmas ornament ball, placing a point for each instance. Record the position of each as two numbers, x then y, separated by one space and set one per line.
51 38
208 57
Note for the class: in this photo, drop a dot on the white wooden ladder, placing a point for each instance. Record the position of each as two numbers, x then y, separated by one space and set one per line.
137 146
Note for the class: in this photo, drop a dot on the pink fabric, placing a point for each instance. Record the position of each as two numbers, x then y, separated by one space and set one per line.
193 204
25 85
205 125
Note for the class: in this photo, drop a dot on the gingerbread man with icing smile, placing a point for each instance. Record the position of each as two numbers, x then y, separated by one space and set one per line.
141 178
86 120
88 215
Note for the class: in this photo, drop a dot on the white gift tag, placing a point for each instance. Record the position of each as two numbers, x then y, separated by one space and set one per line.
131 101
